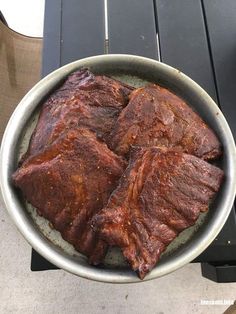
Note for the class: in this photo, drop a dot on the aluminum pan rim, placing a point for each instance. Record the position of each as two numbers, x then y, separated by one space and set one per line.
50 252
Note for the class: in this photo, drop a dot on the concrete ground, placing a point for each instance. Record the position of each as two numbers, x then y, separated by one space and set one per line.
56 291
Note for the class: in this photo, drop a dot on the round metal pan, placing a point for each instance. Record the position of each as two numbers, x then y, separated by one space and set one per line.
136 71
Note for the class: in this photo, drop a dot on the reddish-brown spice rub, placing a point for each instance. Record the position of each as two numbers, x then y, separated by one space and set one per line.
161 193
157 117
68 183
85 99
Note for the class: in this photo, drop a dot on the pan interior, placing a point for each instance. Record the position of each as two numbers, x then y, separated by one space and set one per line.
114 258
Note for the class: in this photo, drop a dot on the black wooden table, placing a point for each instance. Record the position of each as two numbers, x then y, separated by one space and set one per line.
196 36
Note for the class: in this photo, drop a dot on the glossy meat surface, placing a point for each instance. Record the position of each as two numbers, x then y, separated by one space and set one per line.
161 193
157 117
85 99
68 183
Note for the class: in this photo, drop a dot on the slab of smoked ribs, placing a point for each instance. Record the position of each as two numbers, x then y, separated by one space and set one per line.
161 193
67 172
68 183
85 99
157 117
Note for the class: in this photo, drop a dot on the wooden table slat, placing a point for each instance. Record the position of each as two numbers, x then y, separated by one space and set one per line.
82 29
52 36
183 40
221 24
131 28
